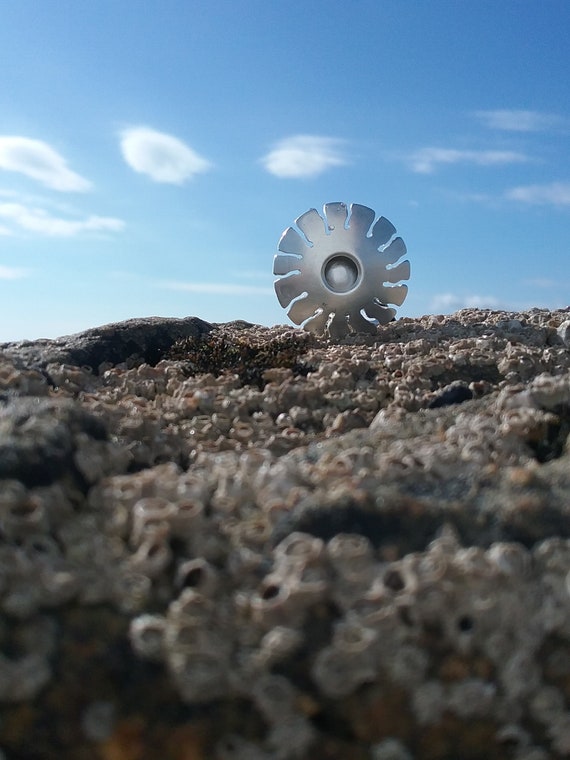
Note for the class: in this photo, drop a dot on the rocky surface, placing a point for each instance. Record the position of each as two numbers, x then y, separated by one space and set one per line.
142 340
242 543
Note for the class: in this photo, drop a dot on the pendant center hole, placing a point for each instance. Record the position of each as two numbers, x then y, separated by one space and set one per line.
340 273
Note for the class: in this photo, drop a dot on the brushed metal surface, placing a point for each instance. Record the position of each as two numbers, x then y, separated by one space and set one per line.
341 272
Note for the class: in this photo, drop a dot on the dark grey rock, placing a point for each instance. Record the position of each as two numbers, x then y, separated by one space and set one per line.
145 339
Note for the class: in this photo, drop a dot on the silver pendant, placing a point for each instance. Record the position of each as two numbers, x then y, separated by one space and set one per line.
340 276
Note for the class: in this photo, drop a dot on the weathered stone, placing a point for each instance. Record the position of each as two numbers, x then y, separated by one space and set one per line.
564 332
145 339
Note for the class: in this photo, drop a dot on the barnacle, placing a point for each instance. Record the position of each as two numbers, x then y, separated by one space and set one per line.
337 276
294 585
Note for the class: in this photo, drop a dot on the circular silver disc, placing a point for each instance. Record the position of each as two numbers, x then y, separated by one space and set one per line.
340 272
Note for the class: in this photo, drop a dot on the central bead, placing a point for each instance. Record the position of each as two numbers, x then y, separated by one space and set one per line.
340 273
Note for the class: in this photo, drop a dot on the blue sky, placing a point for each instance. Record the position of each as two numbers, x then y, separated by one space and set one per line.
152 153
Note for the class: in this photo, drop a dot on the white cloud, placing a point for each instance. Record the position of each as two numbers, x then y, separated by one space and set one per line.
426 160
39 161
518 120
553 194
445 302
161 157
219 288
12 273
303 156
42 222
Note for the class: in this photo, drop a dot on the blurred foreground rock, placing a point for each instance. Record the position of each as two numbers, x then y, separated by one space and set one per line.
231 542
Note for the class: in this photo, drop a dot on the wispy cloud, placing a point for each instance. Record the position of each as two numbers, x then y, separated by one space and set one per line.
445 302
219 288
552 194
427 160
519 120
12 273
162 157
40 221
39 161
303 156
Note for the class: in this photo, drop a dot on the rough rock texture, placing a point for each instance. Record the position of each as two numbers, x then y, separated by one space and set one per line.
241 543
145 339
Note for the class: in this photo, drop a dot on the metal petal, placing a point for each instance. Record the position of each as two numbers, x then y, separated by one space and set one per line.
382 231
361 217
286 264
394 251
292 242
396 294
318 323
311 225
397 273
301 310
336 215
288 288
380 312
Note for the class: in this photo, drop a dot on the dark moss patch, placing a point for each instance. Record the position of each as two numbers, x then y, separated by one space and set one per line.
246 355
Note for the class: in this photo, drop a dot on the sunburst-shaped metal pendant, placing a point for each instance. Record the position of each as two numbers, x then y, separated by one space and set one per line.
341 272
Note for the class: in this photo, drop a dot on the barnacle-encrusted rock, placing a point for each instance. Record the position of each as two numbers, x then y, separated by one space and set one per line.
232 542
40 438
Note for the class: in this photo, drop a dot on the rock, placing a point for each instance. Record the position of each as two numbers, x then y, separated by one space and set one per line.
510 325
146 339
38 438
237 542
564 332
